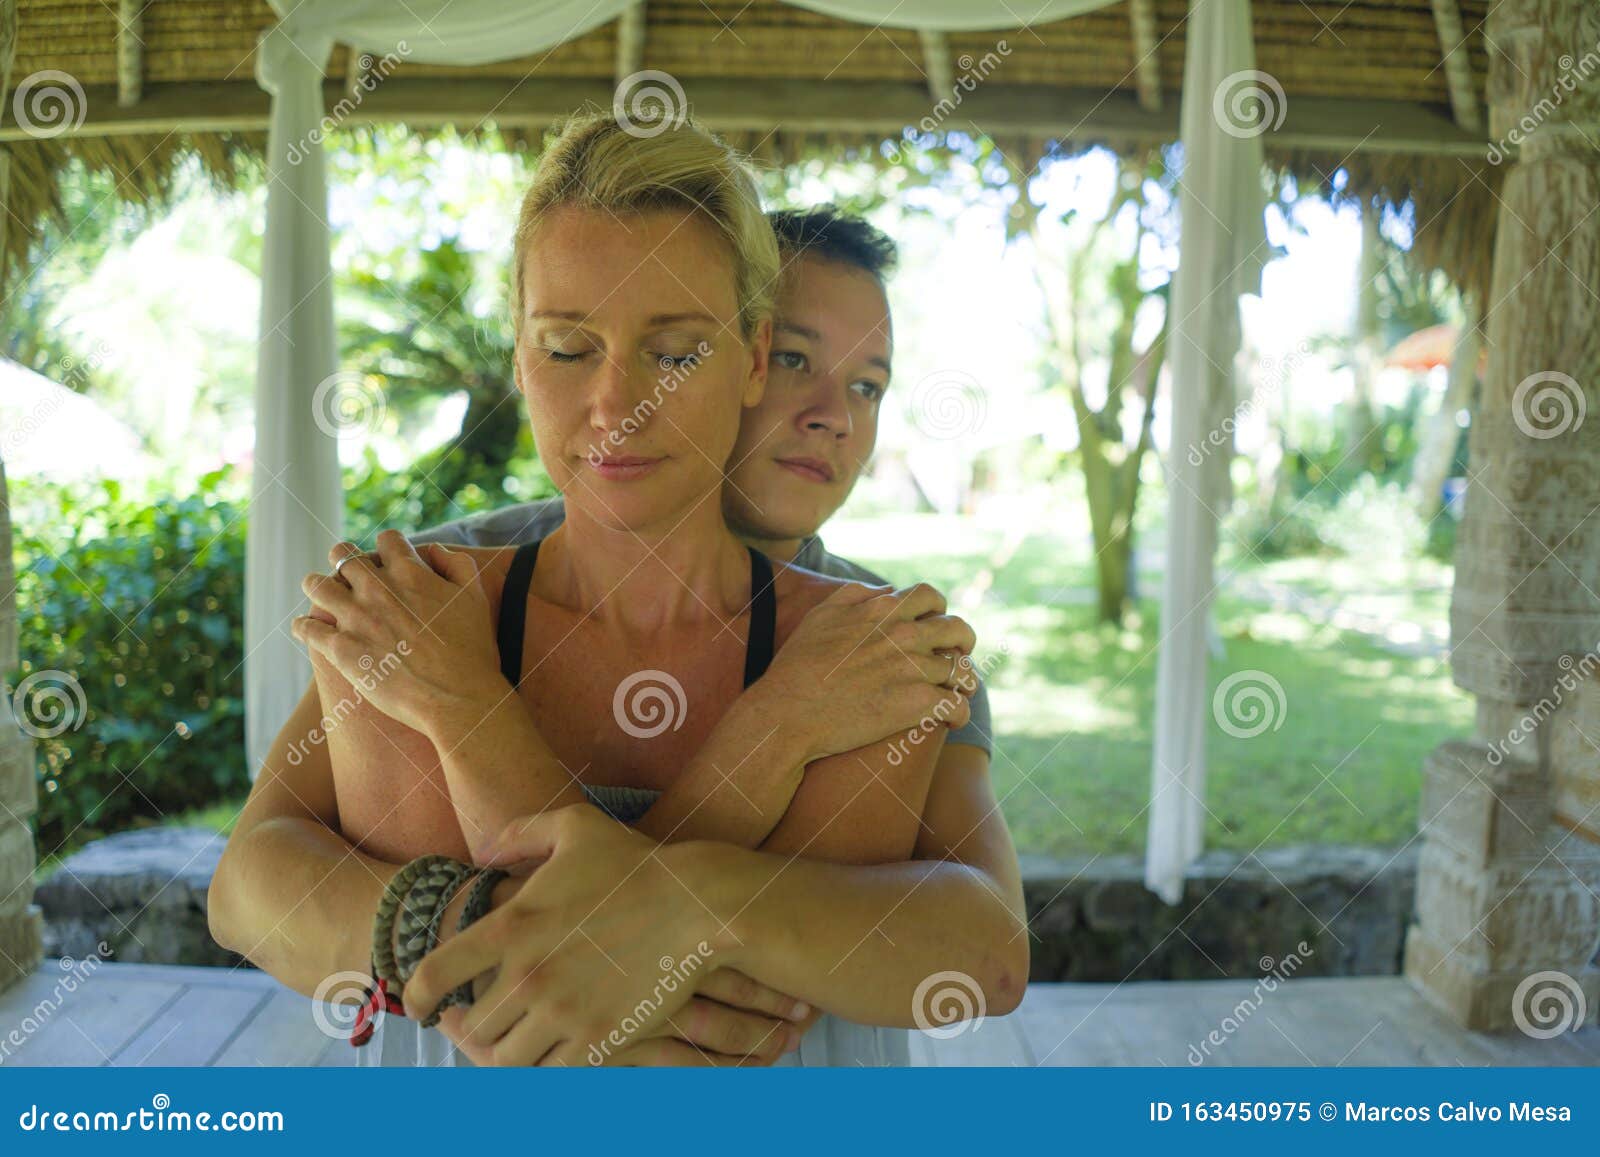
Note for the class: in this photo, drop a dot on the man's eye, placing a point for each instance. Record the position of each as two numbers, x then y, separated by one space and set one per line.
871 391
790 359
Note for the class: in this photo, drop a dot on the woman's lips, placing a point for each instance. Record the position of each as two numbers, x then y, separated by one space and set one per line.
623 467
811 469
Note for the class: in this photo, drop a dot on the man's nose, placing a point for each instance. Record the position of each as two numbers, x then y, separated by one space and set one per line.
828 411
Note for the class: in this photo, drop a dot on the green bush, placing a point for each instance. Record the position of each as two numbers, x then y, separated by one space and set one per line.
132 606
130 620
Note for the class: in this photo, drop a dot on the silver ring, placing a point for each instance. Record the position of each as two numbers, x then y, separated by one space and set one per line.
338 566
954 663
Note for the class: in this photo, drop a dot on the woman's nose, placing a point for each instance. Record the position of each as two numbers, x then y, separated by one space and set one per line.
613 399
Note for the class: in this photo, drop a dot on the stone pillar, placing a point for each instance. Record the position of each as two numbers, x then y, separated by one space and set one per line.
20 923
1508 890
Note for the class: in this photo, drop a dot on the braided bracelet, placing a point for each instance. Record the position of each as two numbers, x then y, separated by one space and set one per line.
417 925
406 929
479 897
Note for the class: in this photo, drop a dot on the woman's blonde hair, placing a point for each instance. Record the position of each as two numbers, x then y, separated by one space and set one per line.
596 162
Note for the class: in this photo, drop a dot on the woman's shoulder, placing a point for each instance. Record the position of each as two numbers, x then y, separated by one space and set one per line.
799 590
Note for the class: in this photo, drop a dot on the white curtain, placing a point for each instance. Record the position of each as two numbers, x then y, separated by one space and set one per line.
1222 248
296 506
952 15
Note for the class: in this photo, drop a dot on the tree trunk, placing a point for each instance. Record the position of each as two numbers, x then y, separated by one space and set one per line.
1362 418
1439 439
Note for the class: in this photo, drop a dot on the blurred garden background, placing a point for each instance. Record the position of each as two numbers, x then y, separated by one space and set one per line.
1019 469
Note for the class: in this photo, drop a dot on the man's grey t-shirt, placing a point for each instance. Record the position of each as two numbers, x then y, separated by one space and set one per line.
529 521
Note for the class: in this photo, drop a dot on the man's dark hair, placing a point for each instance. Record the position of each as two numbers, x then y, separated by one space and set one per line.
827 231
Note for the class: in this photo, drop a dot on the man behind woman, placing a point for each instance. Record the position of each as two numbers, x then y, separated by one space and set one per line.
780 822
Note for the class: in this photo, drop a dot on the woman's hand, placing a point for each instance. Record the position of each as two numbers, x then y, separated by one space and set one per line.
867 662
413 635
603 941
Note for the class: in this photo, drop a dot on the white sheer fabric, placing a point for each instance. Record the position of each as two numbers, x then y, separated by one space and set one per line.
1222 248
296 507
952 15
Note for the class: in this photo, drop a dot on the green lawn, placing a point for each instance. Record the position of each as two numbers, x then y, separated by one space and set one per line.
1073 701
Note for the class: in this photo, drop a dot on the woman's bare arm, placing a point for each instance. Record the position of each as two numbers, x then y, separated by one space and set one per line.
290 893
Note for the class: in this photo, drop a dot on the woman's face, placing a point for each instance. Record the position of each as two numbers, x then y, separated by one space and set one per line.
631 359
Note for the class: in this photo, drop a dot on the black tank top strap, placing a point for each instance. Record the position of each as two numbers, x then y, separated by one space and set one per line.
514 611
512 627
763 618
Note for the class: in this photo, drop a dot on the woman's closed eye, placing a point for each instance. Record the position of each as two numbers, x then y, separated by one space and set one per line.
566 357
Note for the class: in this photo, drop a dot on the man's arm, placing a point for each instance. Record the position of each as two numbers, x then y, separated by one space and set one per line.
858 941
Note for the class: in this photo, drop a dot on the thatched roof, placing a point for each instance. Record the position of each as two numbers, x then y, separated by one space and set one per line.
787 82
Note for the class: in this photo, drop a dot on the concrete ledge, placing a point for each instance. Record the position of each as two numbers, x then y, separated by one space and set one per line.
1240 917
143 894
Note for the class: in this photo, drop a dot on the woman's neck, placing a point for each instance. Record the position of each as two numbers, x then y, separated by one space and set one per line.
689 568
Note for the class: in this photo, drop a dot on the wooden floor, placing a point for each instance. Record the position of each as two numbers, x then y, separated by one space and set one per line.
140 1014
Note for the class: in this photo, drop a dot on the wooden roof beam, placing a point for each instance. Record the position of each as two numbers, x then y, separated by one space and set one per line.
630 42
936 70
130 52
1457 64
1046 112
1146 64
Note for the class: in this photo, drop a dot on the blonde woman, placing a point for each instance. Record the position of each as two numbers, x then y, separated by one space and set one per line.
637 262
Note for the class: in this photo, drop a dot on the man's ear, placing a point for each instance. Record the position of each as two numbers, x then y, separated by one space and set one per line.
760 354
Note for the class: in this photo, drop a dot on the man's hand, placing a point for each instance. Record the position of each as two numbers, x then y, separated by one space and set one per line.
868 662
603 943
413 635
731 1021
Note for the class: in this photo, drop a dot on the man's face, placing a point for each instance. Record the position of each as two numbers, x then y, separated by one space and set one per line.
800 450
